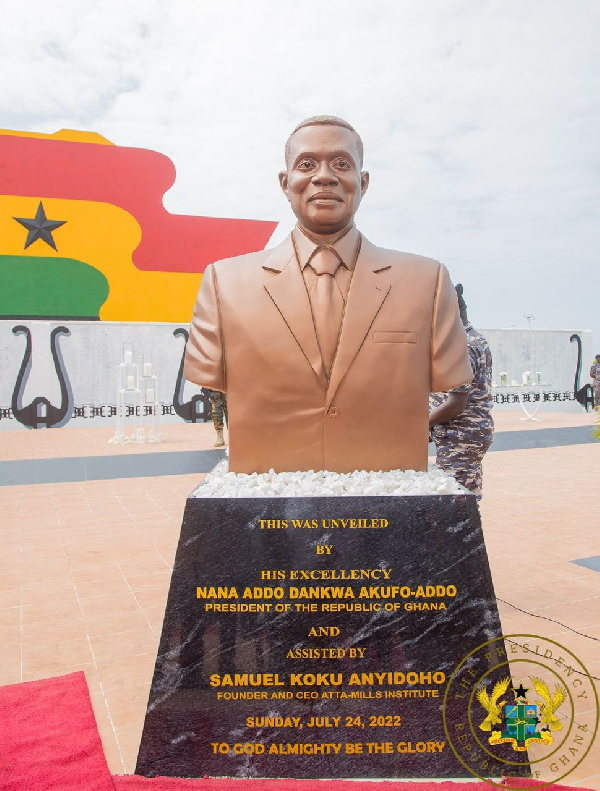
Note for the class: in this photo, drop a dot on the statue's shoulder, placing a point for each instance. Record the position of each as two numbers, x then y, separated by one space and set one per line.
252 263
397 259
239 263
240 271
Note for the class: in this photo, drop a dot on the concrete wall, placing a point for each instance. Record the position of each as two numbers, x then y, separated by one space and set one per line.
89 356
550 352
89 353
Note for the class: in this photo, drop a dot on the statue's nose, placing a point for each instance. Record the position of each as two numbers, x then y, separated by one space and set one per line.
324 175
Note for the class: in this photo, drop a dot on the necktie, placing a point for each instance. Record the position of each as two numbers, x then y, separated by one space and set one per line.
327 303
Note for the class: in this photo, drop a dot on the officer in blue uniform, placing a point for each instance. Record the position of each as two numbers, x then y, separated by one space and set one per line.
460 420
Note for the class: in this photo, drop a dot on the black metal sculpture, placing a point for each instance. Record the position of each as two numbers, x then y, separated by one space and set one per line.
40 413
197 409
585 394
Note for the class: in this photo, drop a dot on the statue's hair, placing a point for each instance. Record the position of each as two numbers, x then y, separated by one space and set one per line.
326 120
462 305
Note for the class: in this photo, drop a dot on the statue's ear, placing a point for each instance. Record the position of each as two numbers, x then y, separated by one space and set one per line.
364 182
283 182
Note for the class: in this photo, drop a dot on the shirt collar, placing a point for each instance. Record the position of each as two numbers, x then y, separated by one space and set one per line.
346 247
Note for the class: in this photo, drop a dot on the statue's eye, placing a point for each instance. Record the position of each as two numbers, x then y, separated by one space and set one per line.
305 164
341 163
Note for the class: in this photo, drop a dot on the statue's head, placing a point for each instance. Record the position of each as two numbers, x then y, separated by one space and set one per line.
323 180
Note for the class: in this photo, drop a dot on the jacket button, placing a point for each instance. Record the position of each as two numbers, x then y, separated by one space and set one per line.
333 411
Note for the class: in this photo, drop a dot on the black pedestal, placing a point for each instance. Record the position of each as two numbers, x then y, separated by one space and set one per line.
314 637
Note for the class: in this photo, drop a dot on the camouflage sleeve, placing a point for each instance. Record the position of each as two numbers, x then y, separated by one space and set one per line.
468 386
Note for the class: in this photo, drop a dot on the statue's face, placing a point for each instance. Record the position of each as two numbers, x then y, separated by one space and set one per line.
323 181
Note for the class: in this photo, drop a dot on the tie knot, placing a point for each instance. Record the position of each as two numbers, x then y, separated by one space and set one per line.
325 261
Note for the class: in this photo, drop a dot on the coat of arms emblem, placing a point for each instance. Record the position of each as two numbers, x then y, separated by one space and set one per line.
519 721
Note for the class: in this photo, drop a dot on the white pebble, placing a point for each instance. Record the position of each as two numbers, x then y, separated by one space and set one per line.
221 483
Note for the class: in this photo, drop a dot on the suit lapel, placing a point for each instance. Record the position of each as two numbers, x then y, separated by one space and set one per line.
369 288
287 290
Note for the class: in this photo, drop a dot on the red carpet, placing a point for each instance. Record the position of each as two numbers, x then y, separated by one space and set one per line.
49 741
135 783
49 738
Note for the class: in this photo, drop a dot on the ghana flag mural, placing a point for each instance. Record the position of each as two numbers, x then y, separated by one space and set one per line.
90 260
84 234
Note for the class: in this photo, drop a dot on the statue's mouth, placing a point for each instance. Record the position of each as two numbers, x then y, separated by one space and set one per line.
326 196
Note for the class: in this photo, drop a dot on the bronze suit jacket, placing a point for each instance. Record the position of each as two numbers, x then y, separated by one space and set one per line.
252 336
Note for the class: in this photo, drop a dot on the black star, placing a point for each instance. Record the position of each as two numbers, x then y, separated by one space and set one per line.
40 227
520 691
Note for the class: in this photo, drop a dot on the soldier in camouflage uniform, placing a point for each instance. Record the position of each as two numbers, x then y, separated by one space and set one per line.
461 423
595 377
218 403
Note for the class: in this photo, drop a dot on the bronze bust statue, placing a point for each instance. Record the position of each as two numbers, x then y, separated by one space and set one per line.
327 346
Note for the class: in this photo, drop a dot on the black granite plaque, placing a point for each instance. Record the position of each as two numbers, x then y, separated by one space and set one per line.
314 637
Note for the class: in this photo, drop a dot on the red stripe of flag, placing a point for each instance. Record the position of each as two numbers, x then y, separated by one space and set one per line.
134 179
